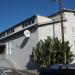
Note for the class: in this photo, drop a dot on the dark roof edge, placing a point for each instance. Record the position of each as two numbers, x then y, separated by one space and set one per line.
64 10
18 24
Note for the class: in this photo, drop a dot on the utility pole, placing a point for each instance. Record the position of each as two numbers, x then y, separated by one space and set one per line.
61 17
62 28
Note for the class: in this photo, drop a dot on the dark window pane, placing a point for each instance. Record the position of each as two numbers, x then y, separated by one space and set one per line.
29 22
33 21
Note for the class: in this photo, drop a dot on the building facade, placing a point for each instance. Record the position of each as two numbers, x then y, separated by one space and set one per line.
16 49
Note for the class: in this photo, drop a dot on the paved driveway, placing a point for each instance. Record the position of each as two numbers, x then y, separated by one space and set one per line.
8 71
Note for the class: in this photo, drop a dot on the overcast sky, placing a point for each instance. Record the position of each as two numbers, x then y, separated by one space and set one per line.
15 11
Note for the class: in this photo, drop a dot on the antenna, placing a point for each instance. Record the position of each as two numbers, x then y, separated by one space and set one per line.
27 33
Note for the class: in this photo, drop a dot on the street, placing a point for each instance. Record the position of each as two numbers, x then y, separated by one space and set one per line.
8 71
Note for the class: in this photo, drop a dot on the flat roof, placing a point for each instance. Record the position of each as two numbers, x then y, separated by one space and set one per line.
29 19
64 10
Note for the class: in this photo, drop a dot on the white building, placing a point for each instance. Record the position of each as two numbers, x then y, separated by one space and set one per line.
16 49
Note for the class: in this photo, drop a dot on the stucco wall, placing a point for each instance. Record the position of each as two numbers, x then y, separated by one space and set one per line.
49 30
70 30
45 31
43 19
57 17
22 49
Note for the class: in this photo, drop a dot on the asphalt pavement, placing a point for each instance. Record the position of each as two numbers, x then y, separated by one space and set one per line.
8 71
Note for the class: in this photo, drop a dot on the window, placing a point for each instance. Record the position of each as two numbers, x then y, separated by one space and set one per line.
33 21
12 30
29 22
8 32
3 35
24 24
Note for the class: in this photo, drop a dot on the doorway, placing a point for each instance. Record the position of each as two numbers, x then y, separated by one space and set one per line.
2 52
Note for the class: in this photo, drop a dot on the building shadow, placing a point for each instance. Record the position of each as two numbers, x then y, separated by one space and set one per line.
24 42
32 64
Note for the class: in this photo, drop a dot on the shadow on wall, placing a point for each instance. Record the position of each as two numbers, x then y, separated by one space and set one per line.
24 42
32 64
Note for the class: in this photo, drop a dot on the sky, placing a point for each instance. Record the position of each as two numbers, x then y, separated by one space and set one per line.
13 12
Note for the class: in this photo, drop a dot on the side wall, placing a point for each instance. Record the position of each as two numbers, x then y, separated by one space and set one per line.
70 30
53 30
20 55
